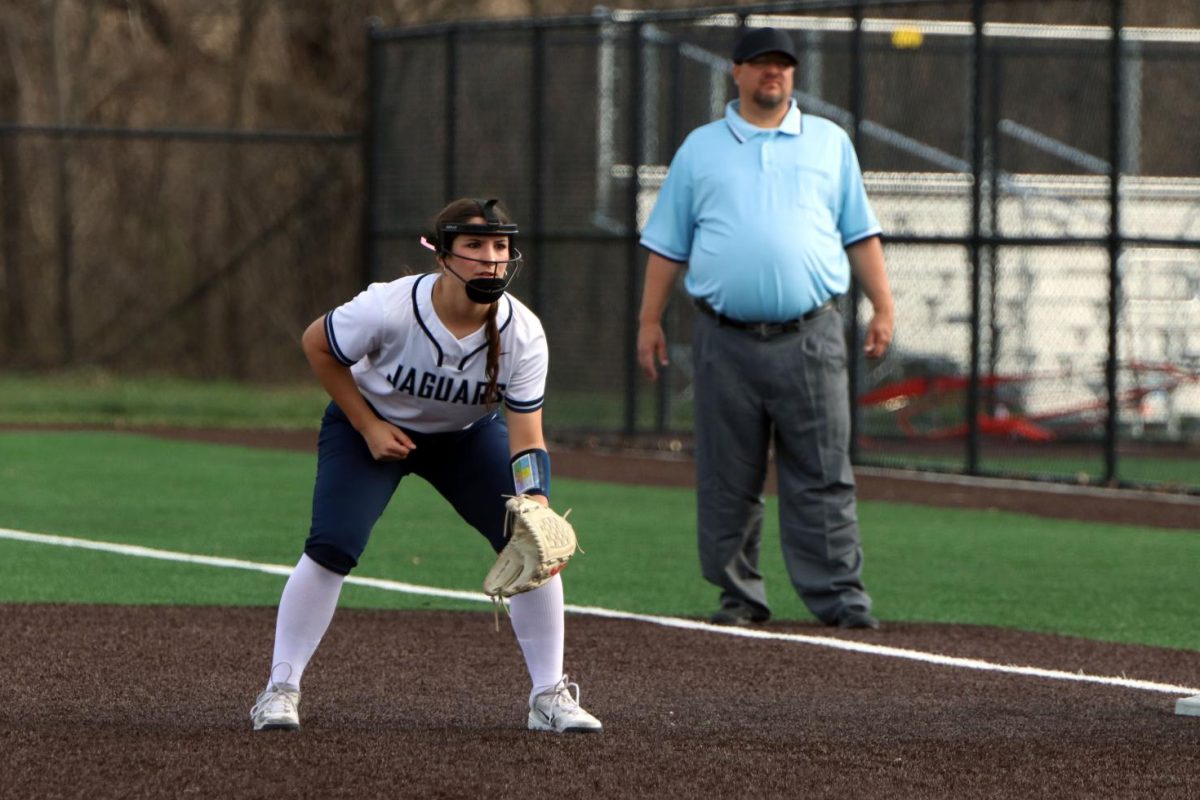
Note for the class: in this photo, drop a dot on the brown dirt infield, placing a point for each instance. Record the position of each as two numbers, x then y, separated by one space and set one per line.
108 701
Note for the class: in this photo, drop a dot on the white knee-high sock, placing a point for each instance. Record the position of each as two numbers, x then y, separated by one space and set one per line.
537 620
305 610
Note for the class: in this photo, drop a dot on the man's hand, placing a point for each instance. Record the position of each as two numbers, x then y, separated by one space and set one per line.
651 348
386 441
879 334
661 275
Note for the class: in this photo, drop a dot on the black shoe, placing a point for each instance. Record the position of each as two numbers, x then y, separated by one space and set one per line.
857 619
739 615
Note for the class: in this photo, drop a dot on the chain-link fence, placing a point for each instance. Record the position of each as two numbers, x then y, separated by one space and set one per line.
1047 315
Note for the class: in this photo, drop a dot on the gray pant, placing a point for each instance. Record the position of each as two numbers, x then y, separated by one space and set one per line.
791 391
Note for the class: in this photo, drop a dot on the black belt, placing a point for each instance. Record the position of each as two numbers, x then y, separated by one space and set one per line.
763 329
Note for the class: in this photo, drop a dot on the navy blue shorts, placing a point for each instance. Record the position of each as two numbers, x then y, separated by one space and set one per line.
470 468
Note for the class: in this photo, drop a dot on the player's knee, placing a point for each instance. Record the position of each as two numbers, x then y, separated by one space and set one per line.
331 558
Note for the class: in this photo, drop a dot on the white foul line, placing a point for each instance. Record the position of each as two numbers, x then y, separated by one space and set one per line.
669 622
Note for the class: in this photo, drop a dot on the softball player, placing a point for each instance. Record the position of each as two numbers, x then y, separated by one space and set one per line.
417 369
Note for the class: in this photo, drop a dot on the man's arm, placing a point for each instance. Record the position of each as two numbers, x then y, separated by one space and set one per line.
661 274
866 260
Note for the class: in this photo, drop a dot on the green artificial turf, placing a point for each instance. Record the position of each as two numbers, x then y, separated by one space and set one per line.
96 397
1105 582
91 397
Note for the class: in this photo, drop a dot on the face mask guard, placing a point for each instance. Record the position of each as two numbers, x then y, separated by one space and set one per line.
480 290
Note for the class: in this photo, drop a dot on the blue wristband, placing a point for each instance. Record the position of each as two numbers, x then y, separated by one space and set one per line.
531 472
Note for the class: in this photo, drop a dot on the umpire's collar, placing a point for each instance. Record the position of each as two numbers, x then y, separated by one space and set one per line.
743 130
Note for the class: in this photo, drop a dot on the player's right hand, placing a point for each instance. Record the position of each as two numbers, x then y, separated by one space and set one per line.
387 442
651 349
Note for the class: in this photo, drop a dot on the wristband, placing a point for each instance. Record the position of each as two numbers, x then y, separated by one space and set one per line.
531 472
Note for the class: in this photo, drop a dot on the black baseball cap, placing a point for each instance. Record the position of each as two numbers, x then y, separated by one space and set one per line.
760 41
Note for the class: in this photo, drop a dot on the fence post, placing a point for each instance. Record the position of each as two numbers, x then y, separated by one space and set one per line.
995 66
1116 56
367 274
977 71
636 146
670 313
852 338
537 108
64 223
451 179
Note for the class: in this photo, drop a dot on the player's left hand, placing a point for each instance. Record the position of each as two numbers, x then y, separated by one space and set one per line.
539 545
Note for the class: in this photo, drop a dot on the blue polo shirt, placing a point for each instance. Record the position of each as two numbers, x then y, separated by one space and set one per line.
762 216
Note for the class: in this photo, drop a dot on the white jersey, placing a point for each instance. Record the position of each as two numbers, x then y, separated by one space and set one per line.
416 374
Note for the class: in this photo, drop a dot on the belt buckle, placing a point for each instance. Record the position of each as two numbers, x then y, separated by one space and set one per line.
763 329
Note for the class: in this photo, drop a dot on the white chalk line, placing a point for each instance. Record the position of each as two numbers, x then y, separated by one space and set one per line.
668 622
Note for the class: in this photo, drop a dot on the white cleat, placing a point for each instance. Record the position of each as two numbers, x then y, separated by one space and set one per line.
557 709
1188 706
277 709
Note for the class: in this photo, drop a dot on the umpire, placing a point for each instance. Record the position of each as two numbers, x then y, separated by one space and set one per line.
766 211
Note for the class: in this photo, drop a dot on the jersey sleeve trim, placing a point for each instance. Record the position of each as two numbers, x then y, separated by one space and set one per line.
862 237
331 338
524 406
661 251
